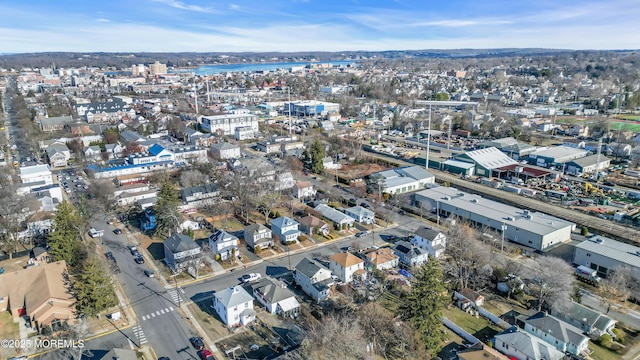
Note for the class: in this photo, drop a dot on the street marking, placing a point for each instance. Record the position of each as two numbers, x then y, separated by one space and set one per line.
153 315
139 333
166 309
158 313
171 308
162 311
144 318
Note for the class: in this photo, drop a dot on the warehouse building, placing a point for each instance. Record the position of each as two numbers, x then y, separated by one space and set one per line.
556 155
404 179
532 229
510 146
606 255
484 161
588 164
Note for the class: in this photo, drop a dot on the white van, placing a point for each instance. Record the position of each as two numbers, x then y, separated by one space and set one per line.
96 233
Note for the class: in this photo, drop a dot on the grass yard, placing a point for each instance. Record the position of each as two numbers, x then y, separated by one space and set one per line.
630 117
8 328
602 353
624 126
208 319
476 326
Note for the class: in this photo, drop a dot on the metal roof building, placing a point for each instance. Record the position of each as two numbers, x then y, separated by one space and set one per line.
554 155
532 229
604 255
486 160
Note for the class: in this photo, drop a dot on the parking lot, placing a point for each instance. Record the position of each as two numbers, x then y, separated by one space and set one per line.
73 183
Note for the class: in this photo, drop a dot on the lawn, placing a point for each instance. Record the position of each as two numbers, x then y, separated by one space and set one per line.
8 328
624 126
630 117
479 327
602 353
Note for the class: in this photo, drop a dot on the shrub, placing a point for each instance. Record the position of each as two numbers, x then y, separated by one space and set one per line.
257 250
619 335
584 231
605 340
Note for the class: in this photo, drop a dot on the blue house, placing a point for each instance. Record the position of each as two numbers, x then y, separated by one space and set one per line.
148 222
286 228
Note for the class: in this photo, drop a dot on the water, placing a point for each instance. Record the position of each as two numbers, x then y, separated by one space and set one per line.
217 69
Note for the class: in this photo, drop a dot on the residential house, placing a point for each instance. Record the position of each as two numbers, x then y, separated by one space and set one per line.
303 189
286 229
431 240
564 337
56 123
312 225
340 220
180 252
58 154
470 297
619 149
234 306
329 164
276 297
39 255
225 151
113 150
347 267
197 196
383 258
258 236
410 255
36 174
224 245
41 293
314 279
520 345
584 318
91 152
361 215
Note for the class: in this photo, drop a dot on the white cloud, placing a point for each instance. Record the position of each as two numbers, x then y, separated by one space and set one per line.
182 6
103 20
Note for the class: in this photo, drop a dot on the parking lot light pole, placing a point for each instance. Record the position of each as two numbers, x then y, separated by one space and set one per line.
503 228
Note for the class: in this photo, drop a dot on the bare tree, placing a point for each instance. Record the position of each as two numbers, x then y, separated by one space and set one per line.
338 336
554 280
468 257
616 289
191 178
101 196
14 210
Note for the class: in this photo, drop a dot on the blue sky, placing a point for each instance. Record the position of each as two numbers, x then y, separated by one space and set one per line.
315 25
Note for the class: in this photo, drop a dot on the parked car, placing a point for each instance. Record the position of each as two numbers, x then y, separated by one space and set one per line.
197 343
139 260
117 231
250 278
205 354
134 251
365 205
109 256
361 234
149 273
110 222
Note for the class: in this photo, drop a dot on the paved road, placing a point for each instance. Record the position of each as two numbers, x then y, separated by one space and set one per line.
160 323
629 317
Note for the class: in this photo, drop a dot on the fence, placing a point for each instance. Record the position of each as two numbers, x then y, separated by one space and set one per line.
460 331
485 313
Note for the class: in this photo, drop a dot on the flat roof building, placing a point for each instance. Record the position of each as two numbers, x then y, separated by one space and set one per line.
532 229
604 255
555 155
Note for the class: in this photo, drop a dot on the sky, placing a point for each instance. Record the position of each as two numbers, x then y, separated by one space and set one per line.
315 25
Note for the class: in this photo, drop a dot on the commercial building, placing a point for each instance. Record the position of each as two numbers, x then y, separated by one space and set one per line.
556 155
510 146
485 160
532 229
311 108
405 179
606 255
227 124
588 164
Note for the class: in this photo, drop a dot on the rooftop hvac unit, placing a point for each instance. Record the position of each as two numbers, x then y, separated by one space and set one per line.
510 218
474 201
446 198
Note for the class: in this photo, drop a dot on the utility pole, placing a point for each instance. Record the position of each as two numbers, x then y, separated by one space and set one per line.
426 165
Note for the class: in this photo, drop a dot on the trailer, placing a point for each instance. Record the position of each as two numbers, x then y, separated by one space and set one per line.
587 275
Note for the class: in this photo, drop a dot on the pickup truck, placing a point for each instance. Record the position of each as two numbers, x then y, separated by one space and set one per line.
96 233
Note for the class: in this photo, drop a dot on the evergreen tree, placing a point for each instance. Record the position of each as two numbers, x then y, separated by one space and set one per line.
93 288
422 306
64 241
312 157
167 212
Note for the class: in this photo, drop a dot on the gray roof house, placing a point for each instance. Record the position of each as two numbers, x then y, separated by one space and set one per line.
180 252
258 235
339 219
361 215
522 346
314 279
276 297
196 196
410 255
234 306
565 337
224 245
431 240
584 318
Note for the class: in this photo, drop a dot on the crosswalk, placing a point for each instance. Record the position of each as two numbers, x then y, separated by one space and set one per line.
175 296
137 331
157 313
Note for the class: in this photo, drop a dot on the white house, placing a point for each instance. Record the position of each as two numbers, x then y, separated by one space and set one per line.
258 235
362 215
234 306
303 189
91 152
224 244
225 151
433 241
410 255
59 154
340 220
522 346
564 337
286 229
276 297
347 267
227 124
36 173
314 279
180 252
